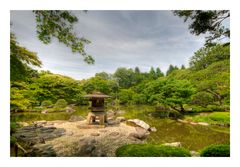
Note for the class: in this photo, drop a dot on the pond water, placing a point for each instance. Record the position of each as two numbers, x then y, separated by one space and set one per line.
193 137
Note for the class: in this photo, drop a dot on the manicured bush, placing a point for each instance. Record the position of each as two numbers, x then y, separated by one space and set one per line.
198 109
216 108
220 117
149 150
218 150
46 103
61 103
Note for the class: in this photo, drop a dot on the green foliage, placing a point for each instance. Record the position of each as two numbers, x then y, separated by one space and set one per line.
46 103
159 73
20 58
208 55
202 98
61 103
59 24
13 127
148 150
171 68
173 93
215 118
125 96
223 117
206 21
125 77
219 150
139 98
104 76
100 85
53 87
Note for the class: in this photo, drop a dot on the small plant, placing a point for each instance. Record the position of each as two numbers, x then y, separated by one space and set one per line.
149 150
46 103
218 150
61 103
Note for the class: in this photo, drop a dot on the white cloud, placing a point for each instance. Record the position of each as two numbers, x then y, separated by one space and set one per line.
119 38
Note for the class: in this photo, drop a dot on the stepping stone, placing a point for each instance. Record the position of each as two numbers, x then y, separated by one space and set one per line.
95 134
114 133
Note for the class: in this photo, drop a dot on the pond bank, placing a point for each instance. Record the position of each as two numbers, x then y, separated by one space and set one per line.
192 137
65 138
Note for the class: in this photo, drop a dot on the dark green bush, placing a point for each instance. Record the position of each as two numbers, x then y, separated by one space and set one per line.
46 103
216 108
218 150
61 103
174 114
148 150
13 127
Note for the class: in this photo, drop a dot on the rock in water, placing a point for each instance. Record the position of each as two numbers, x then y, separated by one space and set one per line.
120 119
175 144
153 129
137 122
195 154
44 111
139 134
203 123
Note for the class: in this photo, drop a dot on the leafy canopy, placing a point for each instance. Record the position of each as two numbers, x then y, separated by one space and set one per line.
206 22
59 24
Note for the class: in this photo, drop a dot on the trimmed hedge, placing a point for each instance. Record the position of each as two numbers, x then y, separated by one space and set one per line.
46 103
218 150
149 150
61 103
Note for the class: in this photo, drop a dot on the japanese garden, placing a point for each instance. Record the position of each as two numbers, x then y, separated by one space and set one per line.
183 111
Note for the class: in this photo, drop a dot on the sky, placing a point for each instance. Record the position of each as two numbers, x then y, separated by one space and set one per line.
118 39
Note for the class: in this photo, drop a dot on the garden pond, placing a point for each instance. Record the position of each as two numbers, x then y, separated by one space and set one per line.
192 137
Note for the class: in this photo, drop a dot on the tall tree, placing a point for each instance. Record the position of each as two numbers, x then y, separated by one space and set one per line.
20 59
152 73
171 68
137 70
183 67
159 73
206 22
208 55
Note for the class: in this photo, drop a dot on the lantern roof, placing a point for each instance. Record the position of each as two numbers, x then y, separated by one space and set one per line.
96 95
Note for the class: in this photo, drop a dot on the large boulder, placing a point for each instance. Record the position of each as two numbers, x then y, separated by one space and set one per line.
140 134
137 122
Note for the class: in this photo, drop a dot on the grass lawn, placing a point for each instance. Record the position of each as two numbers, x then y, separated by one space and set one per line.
212 118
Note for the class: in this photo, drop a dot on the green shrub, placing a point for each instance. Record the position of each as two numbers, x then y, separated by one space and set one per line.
46 103
219 150
215 108
202 99
197 109
148 150
13 140
220 117
61 103
174 114
13 127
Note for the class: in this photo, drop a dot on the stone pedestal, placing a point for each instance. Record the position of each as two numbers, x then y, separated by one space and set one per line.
94 116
